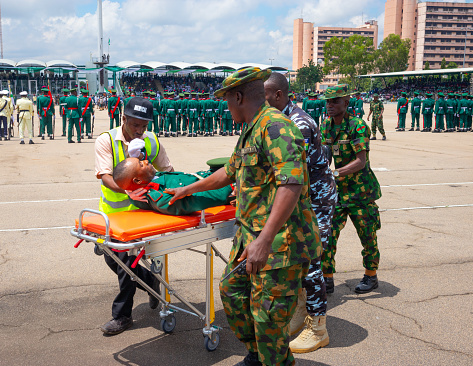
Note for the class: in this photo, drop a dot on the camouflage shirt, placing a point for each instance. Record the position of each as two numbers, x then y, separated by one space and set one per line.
323 190
346 140
377 109
270 153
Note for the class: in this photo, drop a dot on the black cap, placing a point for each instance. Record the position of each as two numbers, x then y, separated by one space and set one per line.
140 108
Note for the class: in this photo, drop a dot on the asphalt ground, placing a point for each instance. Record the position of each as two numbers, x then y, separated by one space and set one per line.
53 297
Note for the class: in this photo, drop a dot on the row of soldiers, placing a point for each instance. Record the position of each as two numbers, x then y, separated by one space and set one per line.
316 107
456 111
192 114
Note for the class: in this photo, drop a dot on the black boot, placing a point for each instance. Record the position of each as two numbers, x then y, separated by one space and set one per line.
116 326
251 359
367 284
329 285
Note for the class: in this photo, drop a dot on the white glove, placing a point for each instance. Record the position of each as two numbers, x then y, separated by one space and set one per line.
134 148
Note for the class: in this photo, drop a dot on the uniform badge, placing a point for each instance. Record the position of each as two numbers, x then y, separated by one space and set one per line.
336 149
361 129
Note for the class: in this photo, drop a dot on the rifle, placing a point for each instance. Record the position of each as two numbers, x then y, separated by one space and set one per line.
93 123
54 124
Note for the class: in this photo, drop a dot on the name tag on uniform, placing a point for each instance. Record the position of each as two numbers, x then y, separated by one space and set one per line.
336 149
344 142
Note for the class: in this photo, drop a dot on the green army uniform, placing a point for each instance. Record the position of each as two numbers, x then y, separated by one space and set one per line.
310 105
114 109
357 192
456 116
45 108
427 111
207 115
185 115
62 110
377 109
358 107
170 110
450 113
440 110
72 107
470 112
179 118
323 112
351 105
126 100
319 108
304 102
416 104
158 200
86 110
193 111
402 111
462 111
226 116
147 95
155 102
268 154
162 112
217 120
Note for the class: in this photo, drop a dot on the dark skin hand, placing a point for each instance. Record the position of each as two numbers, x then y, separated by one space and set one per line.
256 252
355 165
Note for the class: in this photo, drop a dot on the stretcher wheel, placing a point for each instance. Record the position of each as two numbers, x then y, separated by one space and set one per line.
168 324
98 250
211 345
156 268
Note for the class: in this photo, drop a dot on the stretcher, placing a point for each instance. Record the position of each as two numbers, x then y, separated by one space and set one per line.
151 237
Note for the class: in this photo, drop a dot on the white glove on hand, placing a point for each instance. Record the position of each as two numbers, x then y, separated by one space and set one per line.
134 148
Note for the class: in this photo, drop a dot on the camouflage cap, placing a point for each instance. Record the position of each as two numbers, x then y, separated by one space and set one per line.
337 91
242 77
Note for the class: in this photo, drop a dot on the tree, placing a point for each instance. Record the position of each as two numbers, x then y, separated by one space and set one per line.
392 54
427 65
351 57
452 65
310 74
443 64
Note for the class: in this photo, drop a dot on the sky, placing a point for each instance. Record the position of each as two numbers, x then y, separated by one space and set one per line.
240 31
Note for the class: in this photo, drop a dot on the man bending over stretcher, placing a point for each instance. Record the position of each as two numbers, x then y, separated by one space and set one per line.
132 174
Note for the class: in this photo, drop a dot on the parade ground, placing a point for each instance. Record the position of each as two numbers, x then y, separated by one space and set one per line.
53 298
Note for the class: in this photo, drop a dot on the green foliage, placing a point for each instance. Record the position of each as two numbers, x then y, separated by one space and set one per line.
443 64
351 57
309 75
427 65
452 65
392 54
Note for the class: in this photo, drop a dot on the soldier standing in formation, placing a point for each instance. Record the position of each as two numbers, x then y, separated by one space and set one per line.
155 102
358 106
427 111
226 118
86 110
45 110
348 137
415 111
73 114
25 110
377 108
450 112
193 111
62 110
207 115
5 113
114 108
402 112
440 109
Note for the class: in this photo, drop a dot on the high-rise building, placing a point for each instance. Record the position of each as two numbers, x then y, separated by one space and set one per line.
437 30
308 44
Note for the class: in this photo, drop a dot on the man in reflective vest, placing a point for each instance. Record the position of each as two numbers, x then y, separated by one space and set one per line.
128 140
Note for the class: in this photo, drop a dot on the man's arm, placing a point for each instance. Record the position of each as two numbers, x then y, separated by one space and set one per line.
258 250
355 165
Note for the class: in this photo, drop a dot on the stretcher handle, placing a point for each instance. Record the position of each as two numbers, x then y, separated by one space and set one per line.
138 257
76 245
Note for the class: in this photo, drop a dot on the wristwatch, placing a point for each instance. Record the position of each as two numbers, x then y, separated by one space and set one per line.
336 173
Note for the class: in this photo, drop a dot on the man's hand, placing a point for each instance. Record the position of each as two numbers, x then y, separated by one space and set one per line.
134 148
138 194
256 253
178 193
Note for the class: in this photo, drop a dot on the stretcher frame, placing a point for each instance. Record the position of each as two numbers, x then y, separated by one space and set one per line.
153 253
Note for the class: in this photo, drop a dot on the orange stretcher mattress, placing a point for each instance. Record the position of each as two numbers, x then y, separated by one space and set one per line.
137 224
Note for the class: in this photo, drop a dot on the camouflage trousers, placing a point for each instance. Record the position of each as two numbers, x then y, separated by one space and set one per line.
259 308
377 123
314 282
366 220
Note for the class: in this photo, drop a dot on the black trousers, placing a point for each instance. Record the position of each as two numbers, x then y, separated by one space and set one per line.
123 303
3 126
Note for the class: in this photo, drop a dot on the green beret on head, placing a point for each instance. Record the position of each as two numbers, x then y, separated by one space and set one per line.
291 94
181 95
375 95
464 94
404 93
242 77
153 94
416 93
441 94
337 91
450 94
113 90
217 163
73 89
65 90
84 91
428 94
44 89
147 92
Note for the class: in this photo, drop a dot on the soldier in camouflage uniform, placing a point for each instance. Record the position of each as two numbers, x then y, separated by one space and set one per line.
277 228
377 108
357 186
312 304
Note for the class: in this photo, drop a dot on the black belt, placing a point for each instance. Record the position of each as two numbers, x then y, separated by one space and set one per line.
27 110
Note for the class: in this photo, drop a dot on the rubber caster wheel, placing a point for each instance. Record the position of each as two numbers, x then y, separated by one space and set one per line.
98 250
156 268
168 324
211 345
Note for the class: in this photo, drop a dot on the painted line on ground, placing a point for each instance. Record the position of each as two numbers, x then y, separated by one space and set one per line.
425 184
44 201
381 210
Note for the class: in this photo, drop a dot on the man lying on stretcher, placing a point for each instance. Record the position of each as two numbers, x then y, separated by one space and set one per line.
132 174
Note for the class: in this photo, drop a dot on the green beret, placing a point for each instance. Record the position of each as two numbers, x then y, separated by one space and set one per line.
291 94
428 94
416 93
450 94
65 90
217 163
73 89
146 92
181 95
84 91
464 94
337 91
113 90
440 94
375 95
153 94
242 77
403 93
44 89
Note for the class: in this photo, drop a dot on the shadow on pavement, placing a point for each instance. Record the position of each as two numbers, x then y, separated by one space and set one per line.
344 333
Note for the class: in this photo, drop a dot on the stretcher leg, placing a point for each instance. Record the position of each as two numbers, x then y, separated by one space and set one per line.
211 336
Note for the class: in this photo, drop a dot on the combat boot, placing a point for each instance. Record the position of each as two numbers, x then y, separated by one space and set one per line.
297 321
314 335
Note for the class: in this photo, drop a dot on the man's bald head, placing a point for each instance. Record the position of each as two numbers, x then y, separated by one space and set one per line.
131 174
278 81
276 90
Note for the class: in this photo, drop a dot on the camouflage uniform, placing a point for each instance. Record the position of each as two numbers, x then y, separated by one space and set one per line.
377 109
259 307
323 195
357 192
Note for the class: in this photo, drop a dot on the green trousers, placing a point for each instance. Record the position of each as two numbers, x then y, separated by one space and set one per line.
402 120
449 119
115 118
73 122
439 125
86 124
227 125
259 309
64 124
170 123
415 118
46 124
427 120
193 125
463 121
366 220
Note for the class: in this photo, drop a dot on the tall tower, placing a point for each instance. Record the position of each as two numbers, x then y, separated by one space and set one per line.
1 33
103 59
